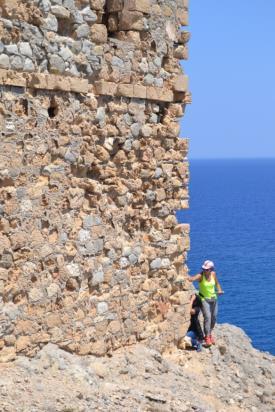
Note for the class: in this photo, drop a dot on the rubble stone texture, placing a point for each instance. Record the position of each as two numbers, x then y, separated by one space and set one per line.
92 170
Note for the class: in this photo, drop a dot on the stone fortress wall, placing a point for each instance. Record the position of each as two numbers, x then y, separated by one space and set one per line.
91 173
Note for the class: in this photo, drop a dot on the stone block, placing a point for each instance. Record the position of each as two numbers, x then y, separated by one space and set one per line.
79 85
114 6
139 91
4 61
126 90
97 4
105 88
181 83
183 37
60 11
99 33
131 20
181 52
138 5
12 78
160 94
183 17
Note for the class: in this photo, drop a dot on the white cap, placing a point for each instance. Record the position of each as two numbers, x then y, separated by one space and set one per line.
208 264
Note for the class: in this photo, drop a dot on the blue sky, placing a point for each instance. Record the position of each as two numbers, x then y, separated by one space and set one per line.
232 79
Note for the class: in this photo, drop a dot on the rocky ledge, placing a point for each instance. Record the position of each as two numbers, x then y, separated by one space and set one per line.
230 376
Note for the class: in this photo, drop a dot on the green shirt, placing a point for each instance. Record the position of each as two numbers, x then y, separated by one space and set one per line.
207 288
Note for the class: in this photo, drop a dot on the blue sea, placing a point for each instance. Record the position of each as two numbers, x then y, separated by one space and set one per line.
232 218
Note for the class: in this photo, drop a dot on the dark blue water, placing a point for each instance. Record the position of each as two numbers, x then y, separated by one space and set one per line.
232 218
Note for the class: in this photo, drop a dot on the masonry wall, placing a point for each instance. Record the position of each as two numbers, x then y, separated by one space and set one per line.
91 173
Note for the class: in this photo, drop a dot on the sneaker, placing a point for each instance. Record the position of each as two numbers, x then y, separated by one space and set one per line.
212 339
207 341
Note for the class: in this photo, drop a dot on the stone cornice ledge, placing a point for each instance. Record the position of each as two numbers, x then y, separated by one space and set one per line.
101 87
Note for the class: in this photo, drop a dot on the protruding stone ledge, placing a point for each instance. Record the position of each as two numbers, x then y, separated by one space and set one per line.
142 92
43 81
12 78
181 83
103 88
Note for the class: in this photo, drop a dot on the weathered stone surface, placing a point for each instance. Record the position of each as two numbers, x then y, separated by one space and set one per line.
60 11
105 88
131 20
91 174
99 33
4 61
143 6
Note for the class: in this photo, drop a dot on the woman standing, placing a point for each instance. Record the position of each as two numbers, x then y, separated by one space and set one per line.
209 287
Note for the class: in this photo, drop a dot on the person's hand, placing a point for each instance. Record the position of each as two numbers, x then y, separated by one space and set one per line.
220 292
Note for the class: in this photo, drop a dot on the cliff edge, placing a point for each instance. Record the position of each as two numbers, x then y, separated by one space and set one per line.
231 376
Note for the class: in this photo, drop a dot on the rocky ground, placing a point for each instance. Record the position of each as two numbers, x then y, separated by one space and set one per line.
230 376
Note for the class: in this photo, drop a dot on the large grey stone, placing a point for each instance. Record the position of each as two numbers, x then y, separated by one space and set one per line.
165 263
135 129
124 262
74 270
97 277
76 17
25 49
116 61
91 220
56 64
102 307
60 11
69 4
11 49
35 295
100 115
50 23
156 264
53 290
144 65
45 6
66 53
28 65
158 82
4 61
94 246
88 15
16 63
72 70
133 259
83 236
149 79
82 31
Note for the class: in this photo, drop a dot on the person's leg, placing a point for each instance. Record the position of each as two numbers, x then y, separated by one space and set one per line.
214 312
206 317
191 334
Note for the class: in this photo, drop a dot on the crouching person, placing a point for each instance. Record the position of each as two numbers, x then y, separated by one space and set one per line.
194 336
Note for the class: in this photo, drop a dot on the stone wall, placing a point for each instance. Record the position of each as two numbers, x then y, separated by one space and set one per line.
91 173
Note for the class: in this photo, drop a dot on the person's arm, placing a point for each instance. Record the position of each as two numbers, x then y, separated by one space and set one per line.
218 286
194 278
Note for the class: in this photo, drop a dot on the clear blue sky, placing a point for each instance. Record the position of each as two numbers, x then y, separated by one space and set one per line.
232 79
